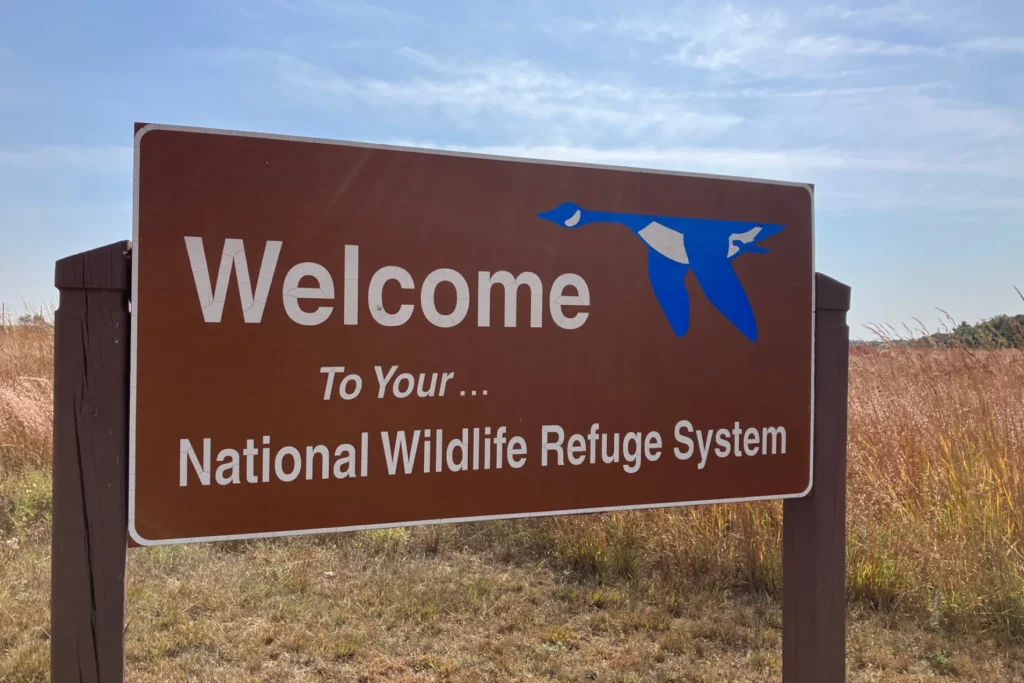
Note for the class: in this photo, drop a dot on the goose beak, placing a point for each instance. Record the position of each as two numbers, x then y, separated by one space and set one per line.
548 215
565 215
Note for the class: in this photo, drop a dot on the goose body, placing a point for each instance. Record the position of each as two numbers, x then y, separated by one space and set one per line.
678 245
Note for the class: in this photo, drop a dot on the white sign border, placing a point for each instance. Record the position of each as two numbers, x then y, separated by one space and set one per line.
133 386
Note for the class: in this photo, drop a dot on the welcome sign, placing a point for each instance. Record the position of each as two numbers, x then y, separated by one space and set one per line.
332 336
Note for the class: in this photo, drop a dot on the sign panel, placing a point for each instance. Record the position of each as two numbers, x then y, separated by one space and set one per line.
332 336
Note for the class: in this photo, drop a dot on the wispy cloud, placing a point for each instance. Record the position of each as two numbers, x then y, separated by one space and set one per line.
993 44
340 9
726 36
769 41
519 91
896 13
845 181
885 118
789 164
825 46
763 41
105 159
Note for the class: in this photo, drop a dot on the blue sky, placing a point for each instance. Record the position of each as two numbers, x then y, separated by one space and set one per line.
907 116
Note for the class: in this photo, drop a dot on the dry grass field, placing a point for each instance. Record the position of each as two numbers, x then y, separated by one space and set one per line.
935 564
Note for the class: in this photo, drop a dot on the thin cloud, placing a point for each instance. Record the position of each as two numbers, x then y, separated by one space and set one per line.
519 91
993 44
819 46
844 181
341 9
726 37
897 13
104 159
725 23
765 92
771 42
742 161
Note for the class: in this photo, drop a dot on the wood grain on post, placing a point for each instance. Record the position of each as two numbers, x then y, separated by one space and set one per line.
90 471
814 527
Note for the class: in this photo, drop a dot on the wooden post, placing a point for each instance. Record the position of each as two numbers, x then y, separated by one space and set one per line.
814 527
90 470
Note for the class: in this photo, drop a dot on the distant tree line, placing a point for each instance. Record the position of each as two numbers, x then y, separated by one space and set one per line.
31 319
1000 331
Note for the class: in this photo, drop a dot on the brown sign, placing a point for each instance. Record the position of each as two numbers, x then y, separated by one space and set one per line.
332 336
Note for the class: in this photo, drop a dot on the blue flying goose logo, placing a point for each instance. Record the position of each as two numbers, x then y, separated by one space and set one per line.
679 245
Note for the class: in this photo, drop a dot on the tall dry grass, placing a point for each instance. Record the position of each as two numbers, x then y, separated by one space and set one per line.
935 514
26 397
936 483
935 501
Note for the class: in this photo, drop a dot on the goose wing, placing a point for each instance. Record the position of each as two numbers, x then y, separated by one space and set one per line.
723 289
668 278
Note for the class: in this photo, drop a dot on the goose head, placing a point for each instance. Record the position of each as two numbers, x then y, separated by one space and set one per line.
567 215
747 241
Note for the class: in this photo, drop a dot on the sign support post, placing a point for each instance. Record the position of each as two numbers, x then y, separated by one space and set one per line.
90 466
814 527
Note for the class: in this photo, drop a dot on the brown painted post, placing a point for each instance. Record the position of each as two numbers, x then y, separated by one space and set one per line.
814 527
90 473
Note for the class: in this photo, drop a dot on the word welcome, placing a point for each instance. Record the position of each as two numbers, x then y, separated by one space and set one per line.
213 294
